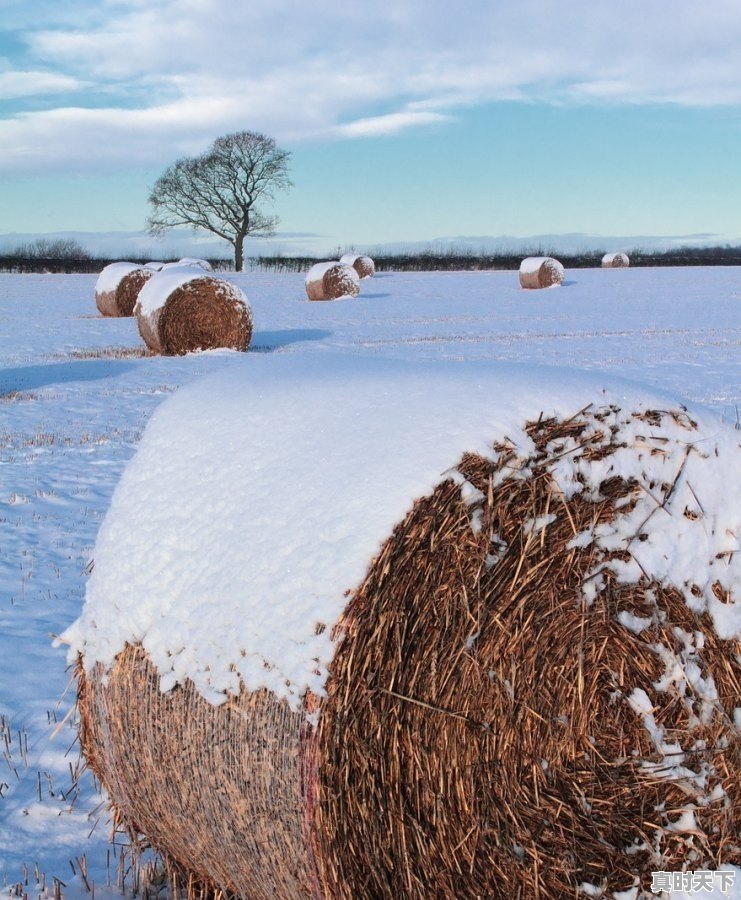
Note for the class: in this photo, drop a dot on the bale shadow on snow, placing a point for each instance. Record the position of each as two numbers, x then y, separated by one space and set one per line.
268 341
24 378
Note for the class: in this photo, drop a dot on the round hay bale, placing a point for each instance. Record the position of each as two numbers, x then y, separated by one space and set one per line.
118 286
332 281
363 265
512 707
615 261
540 272
182 311
193 261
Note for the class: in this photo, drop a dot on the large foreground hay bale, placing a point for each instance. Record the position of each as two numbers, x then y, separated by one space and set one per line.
332 281
540 272
118 286
363 265
513 708
183 310
615 261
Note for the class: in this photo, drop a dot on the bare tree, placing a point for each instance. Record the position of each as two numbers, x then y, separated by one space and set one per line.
219 190
47 248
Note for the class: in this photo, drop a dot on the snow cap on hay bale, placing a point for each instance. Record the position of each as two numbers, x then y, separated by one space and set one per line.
540 272
182 309
615 261
118 286
363 265
511 678
193 261
332 281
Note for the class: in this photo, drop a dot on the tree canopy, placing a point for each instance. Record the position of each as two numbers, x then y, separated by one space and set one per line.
223 189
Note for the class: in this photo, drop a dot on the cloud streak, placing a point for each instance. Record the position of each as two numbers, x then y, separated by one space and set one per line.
331 70
14 85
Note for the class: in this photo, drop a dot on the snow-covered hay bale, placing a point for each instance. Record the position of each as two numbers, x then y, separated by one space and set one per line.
524 685
363 265
182 309
331 281
194 261
118 287
615 261
540 272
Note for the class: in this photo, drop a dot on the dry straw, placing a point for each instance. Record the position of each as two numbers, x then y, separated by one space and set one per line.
201 314
363 265
540 272
331 281
118 297
615 261
477 738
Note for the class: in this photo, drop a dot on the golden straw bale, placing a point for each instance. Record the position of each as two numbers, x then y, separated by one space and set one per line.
540 272
118 286
480 735
128 290
202 313
615 261
363 265
331 281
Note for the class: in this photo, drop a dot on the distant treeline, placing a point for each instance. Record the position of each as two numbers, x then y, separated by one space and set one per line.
456 261
34 259
13 262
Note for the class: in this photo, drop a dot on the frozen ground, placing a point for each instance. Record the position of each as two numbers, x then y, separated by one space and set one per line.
76 392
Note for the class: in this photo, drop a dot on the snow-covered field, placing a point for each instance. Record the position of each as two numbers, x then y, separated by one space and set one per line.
76 392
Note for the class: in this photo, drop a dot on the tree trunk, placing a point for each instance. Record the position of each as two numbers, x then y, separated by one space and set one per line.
239 253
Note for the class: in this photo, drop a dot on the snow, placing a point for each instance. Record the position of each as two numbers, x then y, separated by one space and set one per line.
316 272
193 261
158 288
75 397
167 557
110 278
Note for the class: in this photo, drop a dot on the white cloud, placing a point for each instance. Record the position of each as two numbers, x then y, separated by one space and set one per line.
389 124
334 69
16 84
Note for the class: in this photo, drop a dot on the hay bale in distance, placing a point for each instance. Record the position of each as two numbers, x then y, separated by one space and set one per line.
541 272
118 286
615 261
332 281
182 310
502 716
363 265
194 261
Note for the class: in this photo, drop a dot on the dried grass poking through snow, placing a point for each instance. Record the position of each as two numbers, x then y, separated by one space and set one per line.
491 726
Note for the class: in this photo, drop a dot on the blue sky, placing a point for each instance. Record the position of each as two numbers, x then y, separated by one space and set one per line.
425 120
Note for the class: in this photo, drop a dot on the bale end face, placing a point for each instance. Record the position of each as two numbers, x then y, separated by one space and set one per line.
363 265
615 261
541 272
332 282
128 289
486 731
118 299
203 314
